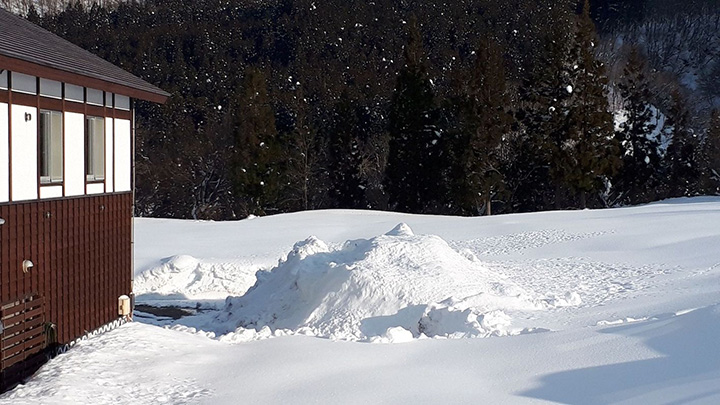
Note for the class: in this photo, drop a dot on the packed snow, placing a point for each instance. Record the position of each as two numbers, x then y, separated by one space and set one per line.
593 306
367 288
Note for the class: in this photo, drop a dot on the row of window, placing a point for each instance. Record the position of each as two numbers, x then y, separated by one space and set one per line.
22 83
51 147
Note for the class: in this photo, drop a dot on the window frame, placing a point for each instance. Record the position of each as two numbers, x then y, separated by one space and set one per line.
91 177
48 179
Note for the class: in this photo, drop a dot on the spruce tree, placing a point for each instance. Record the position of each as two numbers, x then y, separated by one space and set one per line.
413 172
256 150
589 154
484 121
640 176
304 174
711 156
547 94
345 155
683 153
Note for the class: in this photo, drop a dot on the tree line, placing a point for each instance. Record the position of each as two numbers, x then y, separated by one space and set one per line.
467 107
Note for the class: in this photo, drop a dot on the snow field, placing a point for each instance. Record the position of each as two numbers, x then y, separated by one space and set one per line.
398 284
627 300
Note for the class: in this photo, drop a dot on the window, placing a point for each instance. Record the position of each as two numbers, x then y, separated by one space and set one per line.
95 156
24 83
51 147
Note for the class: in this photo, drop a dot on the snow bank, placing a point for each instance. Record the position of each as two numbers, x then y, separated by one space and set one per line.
185 277
384 289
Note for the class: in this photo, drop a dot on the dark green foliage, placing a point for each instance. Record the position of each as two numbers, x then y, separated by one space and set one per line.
566 115
545 112
589 154
640 178
297 104
345 155
256 154
413 173
305 182
683 159
484 122
710 157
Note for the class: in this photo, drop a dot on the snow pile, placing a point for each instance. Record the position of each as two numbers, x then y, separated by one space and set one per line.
384 289
183 277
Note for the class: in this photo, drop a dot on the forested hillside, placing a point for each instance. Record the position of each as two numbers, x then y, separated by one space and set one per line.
465 107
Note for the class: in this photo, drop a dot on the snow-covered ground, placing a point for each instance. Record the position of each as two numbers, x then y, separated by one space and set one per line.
594 306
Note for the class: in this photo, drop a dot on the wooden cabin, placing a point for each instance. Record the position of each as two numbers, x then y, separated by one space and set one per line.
66 189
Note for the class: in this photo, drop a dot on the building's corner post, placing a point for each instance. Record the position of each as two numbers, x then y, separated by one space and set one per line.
132 210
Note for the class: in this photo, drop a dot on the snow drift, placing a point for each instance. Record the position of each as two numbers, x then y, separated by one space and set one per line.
390 288
184 277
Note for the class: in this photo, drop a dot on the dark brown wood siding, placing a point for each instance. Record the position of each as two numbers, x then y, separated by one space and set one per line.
81 250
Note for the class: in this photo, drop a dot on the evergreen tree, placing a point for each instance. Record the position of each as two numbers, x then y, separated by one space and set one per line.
345 156
256 150
548 96
414 169
711 157
305 180
33 16
682 157
484 121
640 176
589 154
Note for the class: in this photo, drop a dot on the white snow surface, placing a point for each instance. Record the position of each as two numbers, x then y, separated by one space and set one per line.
365 288
593 306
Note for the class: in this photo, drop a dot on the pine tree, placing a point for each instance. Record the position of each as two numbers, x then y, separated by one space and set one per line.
548 96
345 156
413 173
32 15
484 121
683 153
588 155
256 150
640 176
711 156
304 174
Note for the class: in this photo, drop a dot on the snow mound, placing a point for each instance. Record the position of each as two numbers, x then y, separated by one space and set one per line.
384 289
183 277
402 229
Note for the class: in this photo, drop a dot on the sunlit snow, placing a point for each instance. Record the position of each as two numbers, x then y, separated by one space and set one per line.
593 306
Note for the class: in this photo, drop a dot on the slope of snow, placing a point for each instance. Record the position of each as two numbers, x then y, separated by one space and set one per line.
181 278
625 304
363 288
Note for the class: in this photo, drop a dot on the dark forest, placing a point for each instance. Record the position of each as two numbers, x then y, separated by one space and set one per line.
458 107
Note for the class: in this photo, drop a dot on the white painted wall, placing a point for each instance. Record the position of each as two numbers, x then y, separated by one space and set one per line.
95 188
123 151
109 155
51 191
74 154
24 154
4 154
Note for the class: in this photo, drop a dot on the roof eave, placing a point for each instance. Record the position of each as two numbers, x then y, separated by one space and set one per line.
51 73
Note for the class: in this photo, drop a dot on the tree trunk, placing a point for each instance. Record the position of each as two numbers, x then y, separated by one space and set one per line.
557 197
